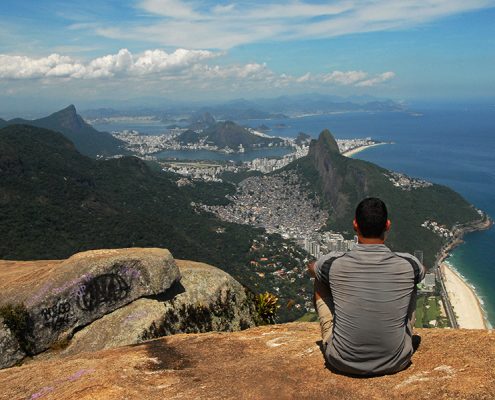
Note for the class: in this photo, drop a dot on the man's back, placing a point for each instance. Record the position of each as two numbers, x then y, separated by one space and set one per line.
373 292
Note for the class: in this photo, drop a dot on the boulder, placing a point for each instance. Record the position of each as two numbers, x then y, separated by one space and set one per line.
206 299
77 291
10 351
269 362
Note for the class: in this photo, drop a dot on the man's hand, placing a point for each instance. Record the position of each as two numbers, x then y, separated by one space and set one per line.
311 268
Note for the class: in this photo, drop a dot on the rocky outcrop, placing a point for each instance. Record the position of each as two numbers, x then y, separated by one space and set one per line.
60 297
10 350
269 362
206 299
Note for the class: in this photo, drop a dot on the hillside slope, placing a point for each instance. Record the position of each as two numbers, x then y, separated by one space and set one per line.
55 202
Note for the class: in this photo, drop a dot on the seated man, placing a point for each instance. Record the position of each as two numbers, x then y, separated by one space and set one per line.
365 299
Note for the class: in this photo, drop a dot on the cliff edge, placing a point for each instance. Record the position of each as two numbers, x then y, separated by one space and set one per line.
269 362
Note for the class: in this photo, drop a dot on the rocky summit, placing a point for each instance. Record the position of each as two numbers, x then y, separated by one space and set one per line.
270 362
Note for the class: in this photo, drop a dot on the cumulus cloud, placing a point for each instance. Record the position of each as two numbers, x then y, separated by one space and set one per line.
190 67
195 24
124 63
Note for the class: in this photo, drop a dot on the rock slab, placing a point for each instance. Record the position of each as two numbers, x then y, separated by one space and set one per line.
270 362
89 285
206 299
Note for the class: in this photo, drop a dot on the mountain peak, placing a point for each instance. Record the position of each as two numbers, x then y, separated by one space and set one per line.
71 108
86 139
328 142
69 111
68 118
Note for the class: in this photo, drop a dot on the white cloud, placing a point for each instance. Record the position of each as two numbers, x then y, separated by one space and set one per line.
190 68
169 8
194 24
124 63
386 76
344 78
19 67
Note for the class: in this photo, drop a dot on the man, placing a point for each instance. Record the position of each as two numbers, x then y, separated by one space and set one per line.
365 299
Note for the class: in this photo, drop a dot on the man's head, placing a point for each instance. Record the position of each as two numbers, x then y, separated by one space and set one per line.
371 219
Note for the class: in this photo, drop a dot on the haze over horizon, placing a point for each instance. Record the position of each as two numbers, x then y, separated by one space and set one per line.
101 52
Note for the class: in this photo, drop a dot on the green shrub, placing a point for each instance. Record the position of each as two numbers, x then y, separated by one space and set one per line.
18 321
266 307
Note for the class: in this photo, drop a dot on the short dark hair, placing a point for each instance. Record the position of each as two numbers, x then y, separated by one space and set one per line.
371 217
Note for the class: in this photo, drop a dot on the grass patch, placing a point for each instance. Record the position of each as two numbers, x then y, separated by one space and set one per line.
428 309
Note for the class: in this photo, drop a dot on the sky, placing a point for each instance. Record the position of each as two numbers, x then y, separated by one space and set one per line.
105 52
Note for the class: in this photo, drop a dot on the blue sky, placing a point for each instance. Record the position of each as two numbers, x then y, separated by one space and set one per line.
100 51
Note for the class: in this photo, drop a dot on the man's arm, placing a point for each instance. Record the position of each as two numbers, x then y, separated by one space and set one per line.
311 268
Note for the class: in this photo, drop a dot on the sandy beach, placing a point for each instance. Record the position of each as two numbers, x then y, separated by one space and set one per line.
463 299
356 150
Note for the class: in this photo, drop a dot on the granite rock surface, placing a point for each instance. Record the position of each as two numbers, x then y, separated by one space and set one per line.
270 362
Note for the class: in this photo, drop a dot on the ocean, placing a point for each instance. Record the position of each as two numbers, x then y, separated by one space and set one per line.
453 146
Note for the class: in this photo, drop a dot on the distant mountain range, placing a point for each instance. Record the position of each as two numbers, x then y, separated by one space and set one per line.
262 108
318 103
87 140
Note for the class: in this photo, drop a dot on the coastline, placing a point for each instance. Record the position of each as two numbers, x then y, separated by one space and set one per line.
460 295
359 149
464 300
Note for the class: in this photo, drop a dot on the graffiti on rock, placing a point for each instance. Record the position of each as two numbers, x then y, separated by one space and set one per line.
103 289
57 316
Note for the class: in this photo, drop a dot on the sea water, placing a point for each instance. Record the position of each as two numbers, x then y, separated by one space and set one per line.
449 145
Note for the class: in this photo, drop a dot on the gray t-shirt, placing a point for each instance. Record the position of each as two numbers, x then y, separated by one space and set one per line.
373 297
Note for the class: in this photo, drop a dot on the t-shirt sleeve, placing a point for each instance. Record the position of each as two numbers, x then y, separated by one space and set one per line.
320 271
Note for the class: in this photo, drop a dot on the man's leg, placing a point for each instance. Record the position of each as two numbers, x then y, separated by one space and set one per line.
322 301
